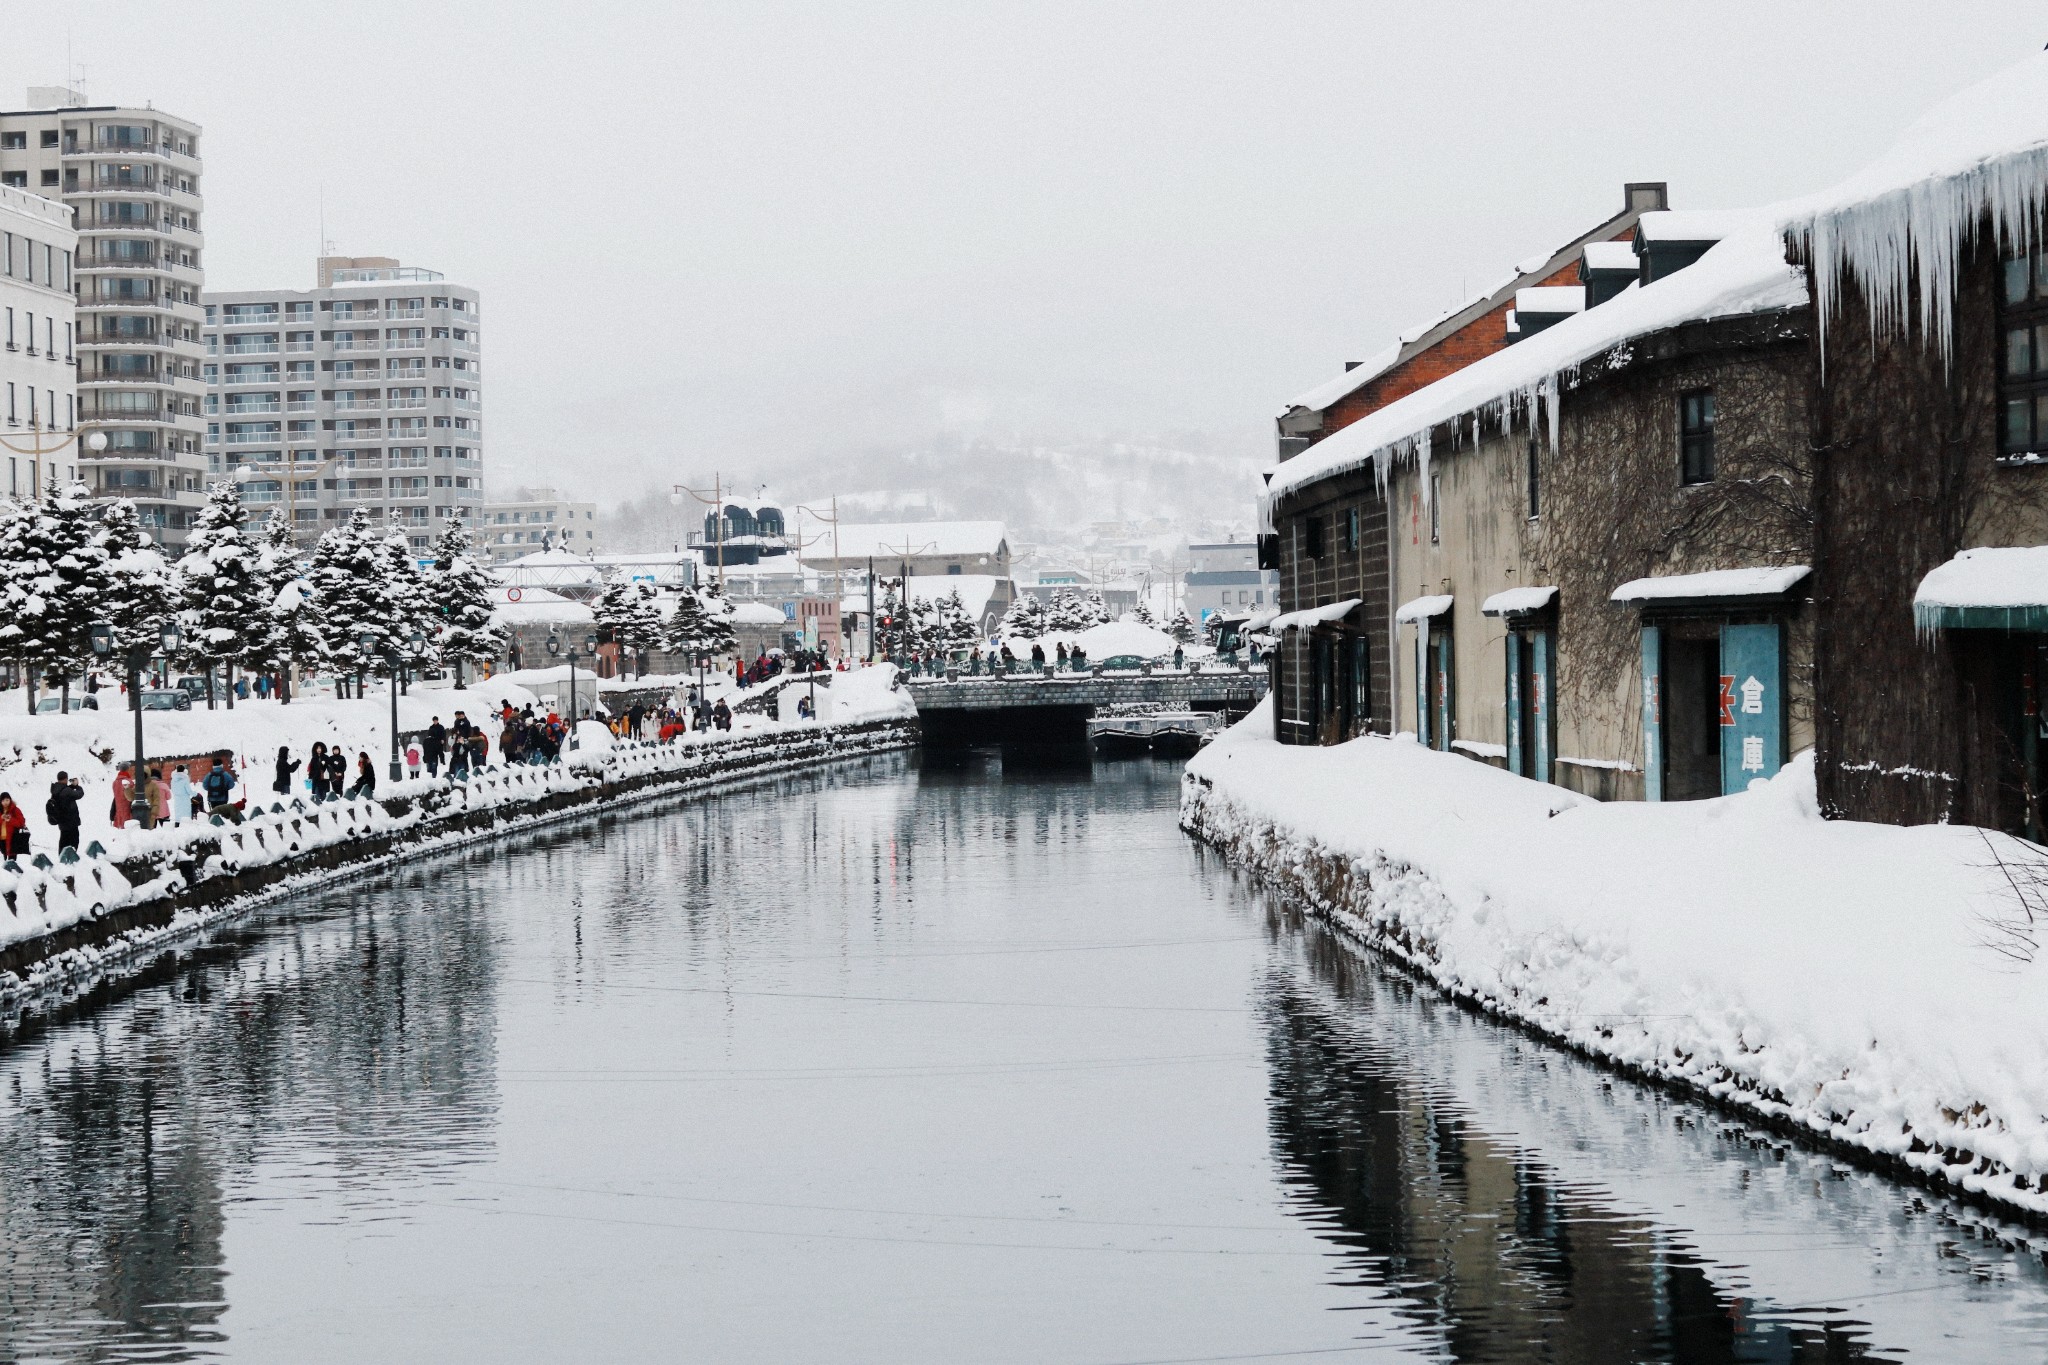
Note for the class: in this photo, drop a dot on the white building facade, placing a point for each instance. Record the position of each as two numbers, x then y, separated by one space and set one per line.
531 519
38 379
366 391
1224 579
131 177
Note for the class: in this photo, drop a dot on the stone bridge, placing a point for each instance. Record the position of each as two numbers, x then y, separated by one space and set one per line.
1051 711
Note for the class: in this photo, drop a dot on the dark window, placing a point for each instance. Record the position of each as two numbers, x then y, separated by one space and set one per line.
1535 483
1436 505
49 137
1696 437
1312 537
2023 373
1351 529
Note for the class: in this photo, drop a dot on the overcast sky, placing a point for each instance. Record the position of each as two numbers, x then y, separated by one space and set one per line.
726 235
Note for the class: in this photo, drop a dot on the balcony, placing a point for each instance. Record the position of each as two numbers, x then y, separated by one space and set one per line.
353 319
355 344
234 380
301 405
342 404
268 319
401 404
403 314
406 344
249 348
300 346
246 409
252 438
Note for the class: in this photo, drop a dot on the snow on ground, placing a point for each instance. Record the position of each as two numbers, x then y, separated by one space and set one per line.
1866 981
88 745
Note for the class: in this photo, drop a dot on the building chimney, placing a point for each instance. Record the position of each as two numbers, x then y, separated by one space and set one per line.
1351 365
1644 196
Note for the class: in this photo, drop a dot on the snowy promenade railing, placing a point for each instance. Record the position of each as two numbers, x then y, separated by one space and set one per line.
61 918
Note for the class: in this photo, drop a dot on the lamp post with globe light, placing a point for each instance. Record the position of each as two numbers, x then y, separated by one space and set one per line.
37 449
555 650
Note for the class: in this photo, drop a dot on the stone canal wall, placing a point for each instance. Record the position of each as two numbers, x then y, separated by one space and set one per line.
70 919
1864 988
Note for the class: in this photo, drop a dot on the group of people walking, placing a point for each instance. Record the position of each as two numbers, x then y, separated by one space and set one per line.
327 773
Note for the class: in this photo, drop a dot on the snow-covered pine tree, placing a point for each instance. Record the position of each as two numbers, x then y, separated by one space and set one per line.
1025 618
16 574
359 597
1143 615
698 625
291 633
1182 627
142 588
625 609
893 626
1068 612
956 626
463 594
58 589
222 594
1094 609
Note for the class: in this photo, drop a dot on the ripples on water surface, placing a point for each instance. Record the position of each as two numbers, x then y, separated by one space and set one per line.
890 1065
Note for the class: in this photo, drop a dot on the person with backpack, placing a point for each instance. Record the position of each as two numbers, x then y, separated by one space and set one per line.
62 810
219 783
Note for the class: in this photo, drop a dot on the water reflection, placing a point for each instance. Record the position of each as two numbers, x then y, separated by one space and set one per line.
880 1063
364 1048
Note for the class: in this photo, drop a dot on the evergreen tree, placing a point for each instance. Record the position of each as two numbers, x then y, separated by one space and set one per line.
415 614
1093 610
351 579
626 610
957 629
222 594
57 586
15 577
699 625
1068 612
1143 615
142 589
462 592
1182 627
1025 619
291 619
895 634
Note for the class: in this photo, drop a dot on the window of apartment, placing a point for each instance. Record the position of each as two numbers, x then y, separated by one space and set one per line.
2023 375
1436 509
49 137
50 179
1535 482
1696 436
18 179
1351 533
1312 537
14 142
13 417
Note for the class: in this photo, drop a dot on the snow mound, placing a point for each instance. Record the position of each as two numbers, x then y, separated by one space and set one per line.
1112 638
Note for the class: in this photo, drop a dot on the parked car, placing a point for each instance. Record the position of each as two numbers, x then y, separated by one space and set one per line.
195 686
80 701
166 699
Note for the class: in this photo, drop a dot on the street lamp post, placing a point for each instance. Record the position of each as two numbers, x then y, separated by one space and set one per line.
136 656
555 649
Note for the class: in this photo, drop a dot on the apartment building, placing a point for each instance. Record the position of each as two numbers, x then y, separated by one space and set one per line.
131 180
532 519
364 391
1224 579
39 432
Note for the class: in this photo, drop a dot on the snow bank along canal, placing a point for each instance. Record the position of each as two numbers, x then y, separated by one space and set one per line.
890 1063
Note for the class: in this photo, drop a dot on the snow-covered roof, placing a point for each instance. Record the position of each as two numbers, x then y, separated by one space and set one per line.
1745 273
1112 638
975 590
1691 225
1715 583
1610 256
1308 618
1551 298
1985 587
755 614
885 540
1422 608
535 605
1899 223
1517 601
1330 390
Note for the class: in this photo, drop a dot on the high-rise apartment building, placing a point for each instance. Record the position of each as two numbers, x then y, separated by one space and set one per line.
131 179
531 519
365 391
39 435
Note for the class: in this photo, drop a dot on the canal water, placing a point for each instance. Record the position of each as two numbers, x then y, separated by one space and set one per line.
895 1064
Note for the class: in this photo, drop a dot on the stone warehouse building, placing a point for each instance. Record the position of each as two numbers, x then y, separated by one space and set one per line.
1779 489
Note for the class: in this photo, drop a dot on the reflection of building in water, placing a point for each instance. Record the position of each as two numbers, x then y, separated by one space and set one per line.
1491 1252
354 1041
